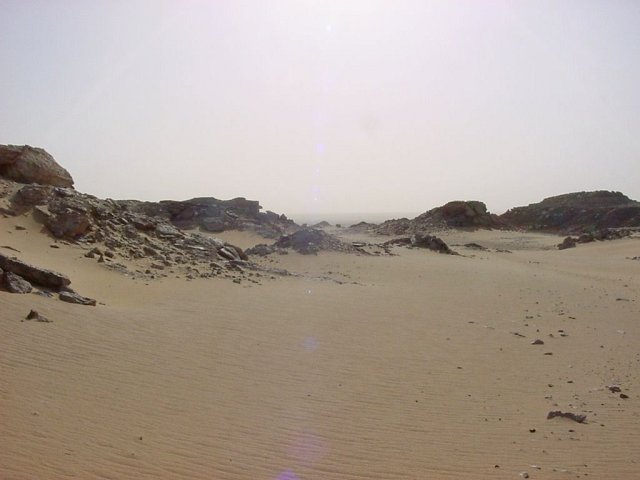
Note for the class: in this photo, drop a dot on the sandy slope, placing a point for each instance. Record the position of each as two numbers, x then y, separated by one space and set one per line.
411 371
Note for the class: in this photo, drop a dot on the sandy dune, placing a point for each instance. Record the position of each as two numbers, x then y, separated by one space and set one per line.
403 367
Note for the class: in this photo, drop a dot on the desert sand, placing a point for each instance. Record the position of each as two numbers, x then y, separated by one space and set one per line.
412 366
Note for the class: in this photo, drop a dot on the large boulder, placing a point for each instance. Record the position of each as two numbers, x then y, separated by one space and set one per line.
39 276
68 223
27 164
31 195
16 284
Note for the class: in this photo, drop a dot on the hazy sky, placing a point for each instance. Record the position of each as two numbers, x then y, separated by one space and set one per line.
328 106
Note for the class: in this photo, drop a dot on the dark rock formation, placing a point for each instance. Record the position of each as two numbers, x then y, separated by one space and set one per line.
16 284
456 214
568 242
31 195
311 241
580 418
72 297
361 227
261 250
36 275
27 164
431 242
576 213
213 215
34 315
68 223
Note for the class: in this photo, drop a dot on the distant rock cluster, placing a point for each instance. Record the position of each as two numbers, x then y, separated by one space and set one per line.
456 214
305 241
176 235
604 234
594 214
420 240
576 213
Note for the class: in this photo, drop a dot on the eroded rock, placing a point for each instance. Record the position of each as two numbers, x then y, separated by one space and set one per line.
16 284
26 164
431 242
36 275
72 297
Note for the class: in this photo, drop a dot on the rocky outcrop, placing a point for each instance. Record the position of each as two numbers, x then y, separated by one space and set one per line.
16 284
18 277
396 226
575 213
68 223
456 214
212 215
35 275
307 241
27 164
311 241
604 234
431 242
420 240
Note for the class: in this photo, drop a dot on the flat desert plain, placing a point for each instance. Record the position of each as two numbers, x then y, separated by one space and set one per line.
411 366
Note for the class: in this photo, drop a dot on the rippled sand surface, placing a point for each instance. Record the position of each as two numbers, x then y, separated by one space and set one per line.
413 366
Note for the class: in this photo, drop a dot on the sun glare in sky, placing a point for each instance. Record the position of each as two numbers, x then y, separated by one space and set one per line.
317 107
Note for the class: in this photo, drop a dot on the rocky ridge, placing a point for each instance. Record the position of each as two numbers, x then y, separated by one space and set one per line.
112 231
457 214
576 213
157 239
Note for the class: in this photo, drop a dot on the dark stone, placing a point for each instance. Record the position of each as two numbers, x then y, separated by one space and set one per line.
577 212
261 250
568 242
214 225
39 276
228 253
431 242
72 297
238 250
16 284
32 195
585 238
310 241
68 223
34 315
580 418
